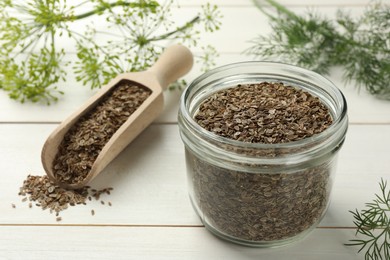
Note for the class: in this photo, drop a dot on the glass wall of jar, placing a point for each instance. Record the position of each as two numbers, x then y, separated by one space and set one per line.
260 194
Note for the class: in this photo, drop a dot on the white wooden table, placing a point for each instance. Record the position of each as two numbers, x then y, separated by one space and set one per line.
151 216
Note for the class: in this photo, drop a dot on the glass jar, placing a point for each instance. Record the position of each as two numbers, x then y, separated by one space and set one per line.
258 194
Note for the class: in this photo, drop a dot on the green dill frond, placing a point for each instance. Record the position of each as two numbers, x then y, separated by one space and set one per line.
359 45
373 226
32 63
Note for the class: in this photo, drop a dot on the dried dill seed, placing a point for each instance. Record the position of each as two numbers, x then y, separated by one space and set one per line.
109 204
261 206
48 195
264 113
58 219
30 205
102 202
92 212
80 148
83 142
13 205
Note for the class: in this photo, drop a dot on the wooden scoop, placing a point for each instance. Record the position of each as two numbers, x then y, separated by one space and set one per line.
175 62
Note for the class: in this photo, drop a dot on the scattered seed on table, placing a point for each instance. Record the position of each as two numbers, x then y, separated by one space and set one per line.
48 195
84 142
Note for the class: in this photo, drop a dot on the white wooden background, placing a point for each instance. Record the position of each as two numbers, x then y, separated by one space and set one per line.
151 216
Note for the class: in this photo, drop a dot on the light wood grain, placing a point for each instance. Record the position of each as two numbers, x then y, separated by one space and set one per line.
363 108
57 242
151 216
150 183
318 3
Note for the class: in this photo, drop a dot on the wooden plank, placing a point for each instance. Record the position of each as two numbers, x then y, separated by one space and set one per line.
239 25
151 170
235 3
150 183
362 107
64 242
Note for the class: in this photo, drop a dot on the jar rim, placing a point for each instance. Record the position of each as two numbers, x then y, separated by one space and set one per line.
339 120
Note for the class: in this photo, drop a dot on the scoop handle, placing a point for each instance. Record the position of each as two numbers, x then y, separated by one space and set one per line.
173 63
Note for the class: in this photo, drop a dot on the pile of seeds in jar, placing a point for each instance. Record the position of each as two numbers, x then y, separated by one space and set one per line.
84 141
264 113
261 206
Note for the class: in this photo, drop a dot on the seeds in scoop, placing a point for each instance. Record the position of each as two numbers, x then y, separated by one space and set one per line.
80 147
83 142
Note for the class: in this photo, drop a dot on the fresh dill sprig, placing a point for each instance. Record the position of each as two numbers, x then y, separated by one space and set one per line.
373 226
361 46
137 36
32 58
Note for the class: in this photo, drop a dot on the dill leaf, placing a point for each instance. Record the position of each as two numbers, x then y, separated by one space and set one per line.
33 63
361 46
373 226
